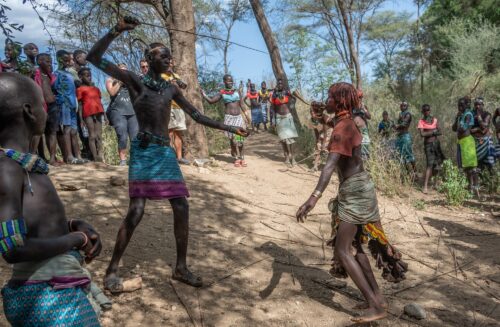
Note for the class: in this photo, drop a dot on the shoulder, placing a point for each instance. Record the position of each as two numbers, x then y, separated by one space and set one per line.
11 174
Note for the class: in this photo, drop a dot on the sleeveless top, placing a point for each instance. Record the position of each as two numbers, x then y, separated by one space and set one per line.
122 103
229 96
278 98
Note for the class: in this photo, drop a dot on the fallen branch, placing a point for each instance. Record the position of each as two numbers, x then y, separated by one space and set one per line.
193 321
269 226
422 225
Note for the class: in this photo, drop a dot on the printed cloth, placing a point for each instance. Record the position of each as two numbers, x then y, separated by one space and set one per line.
52 292
286 128
177 119
433 154
466 152
485 150
90 97
257 116
238 121
66 97
263 107
404 147
154 173
365 143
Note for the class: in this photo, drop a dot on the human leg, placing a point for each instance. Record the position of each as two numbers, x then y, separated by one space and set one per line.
68 153
345 236
180 208
428 174
75 146
90 123
98 141
133 218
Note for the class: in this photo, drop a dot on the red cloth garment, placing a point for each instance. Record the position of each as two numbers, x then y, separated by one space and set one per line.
252 96
422 124
90 97
276 100
345 137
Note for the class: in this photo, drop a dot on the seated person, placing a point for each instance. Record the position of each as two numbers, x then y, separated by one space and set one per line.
48 287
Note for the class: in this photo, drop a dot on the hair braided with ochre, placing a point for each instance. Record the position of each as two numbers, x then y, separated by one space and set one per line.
345 98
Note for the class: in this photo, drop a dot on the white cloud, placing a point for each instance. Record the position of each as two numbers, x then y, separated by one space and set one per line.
33 31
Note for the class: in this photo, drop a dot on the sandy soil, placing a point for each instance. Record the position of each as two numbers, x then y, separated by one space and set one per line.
261 268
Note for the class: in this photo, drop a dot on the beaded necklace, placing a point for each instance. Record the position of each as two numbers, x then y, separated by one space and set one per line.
156 85
31 163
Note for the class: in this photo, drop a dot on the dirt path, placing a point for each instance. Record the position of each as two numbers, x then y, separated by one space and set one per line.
261 268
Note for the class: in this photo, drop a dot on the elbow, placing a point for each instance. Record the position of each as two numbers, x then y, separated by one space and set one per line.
92 58
11 258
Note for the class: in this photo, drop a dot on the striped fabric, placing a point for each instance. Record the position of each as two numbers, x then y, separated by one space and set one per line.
154 173
485 150
12 234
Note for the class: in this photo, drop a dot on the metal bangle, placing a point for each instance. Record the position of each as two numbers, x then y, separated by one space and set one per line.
317 194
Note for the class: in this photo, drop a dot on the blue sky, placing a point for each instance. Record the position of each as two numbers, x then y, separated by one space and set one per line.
243 63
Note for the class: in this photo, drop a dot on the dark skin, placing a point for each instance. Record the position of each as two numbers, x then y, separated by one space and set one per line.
321 127
80 60
48 231
11 55
263 87
464 131
357 267
283 109
496 123
45 65
71 145
31 51
153 113
93 123
404 127
175 135
429 135
483 120
254 103
233 109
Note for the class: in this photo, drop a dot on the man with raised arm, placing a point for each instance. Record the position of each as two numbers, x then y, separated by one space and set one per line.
48 286
153 169
355 214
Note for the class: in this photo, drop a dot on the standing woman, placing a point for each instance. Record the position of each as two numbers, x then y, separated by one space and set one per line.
121 115
284 121
235 115
264 96
256 110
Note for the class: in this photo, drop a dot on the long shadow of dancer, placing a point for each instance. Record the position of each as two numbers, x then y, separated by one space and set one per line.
287 262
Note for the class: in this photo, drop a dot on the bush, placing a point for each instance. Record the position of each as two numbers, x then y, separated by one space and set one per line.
110 146
453 184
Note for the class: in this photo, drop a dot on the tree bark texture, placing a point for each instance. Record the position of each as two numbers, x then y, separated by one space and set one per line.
274 51
184 53
350 41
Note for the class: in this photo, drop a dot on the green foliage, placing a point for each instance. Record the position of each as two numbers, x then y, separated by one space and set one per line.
419 204
453 184
110 146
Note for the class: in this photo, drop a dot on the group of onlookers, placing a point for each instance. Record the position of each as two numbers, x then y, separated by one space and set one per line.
75 113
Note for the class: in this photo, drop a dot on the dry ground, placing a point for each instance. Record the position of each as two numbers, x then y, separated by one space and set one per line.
261 268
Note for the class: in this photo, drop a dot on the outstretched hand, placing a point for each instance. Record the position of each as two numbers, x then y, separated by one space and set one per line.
127 23
241 131
305 209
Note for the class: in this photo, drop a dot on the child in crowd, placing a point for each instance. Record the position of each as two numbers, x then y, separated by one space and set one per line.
91 111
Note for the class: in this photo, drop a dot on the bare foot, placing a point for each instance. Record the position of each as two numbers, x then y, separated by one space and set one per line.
361 306
371 314
425 191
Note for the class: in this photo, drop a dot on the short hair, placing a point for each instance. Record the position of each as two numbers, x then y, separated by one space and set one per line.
426 107
61 53
27 44
153 46
385 112
82 70
44 54
479 100
78 52
143 60
226 76
122 64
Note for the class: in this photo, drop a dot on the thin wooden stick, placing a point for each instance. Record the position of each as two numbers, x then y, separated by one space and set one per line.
269 226
235 272
193 321
422 225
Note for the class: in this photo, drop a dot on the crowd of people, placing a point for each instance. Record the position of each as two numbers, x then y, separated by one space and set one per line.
148 111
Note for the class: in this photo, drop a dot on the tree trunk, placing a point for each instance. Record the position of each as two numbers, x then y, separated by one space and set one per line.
350 41
184 53
274 51
272 47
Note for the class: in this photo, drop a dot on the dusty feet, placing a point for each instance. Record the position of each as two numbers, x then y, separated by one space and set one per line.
187 277
371 314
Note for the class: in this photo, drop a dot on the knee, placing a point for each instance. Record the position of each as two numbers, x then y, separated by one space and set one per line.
180 205
342 253
134 215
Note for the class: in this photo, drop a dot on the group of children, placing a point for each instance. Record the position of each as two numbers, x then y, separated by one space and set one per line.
73 104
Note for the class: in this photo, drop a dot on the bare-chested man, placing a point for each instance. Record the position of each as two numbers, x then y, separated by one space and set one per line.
48 286
404 142
485 150
355 214
154 172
